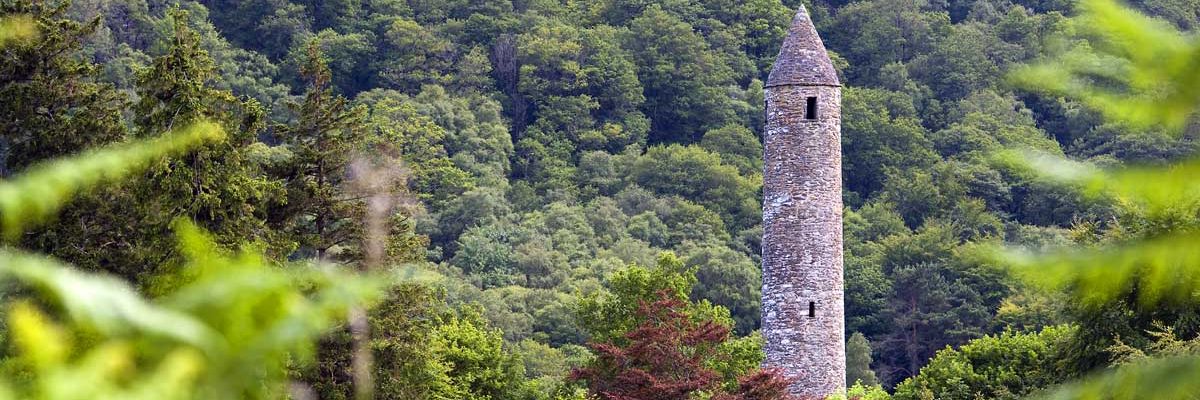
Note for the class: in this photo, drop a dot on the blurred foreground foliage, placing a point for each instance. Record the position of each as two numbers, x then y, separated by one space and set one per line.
17 27
1140 72
228 325
1129 66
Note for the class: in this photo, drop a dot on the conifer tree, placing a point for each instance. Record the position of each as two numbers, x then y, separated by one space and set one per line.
54 105
125 229
217 185
323 213
52 101
326 131
858 361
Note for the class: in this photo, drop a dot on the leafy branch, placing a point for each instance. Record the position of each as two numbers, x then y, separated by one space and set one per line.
1142 72
1131 67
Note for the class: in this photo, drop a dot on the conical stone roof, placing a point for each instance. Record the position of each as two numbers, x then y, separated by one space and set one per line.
802 59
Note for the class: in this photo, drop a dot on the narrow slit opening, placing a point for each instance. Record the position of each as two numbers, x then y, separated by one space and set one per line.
810 111
812 309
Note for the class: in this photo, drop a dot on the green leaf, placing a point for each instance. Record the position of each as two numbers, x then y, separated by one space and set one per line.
1163 269
17 28
1152 188
1170 378
103 303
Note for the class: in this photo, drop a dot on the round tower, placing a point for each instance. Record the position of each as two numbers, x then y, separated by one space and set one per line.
803 318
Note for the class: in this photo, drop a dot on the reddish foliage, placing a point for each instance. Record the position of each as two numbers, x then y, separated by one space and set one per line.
665 360
763 384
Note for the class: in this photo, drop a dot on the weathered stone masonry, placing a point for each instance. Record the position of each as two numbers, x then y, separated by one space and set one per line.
803 318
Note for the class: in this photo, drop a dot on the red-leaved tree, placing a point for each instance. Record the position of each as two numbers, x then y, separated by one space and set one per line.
666 358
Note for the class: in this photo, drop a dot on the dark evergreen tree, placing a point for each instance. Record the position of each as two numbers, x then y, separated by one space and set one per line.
929 312
54 103
320 214
326 212
218 186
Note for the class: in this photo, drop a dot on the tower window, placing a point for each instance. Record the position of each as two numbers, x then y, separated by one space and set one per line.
812 309
810 113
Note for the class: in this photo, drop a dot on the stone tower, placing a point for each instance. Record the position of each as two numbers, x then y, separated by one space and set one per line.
803 318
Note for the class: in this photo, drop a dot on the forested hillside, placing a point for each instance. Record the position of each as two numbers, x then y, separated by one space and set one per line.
552 163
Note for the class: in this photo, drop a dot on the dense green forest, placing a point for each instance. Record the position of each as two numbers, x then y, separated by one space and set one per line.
554 185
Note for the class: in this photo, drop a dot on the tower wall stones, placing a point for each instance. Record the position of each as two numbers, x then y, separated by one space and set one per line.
803 318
